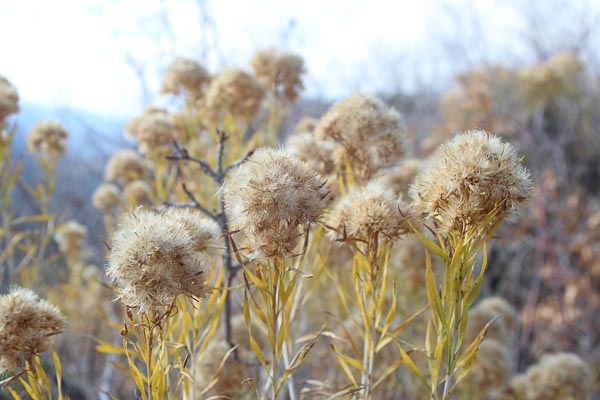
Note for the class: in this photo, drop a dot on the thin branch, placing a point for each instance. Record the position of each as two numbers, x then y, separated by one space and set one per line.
239 162
183 155
194 204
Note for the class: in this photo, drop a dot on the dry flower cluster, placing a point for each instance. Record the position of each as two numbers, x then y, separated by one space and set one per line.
220 221
27 326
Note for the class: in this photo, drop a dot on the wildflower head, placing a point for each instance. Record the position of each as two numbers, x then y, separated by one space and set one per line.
138 192
279 70
368 134
106 197
186 75
153 260
125 166
132 128
69 237
27 325
475 180
48 138
368 211
236 92
9 99
270 195
560 376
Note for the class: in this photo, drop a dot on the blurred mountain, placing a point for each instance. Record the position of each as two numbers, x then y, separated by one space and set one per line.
92 139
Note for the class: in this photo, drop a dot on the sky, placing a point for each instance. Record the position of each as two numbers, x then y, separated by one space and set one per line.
108 56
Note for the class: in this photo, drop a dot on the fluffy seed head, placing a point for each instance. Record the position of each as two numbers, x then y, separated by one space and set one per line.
229 382
474 175
234 91
366 211
138 192
106 197
47 137
69 236
133 127
400 177
186 75
204 232
153 260
316 153
271 194
155 130
560 376
505 324
9 98
490 373
280 70
27 325
125 166
368 134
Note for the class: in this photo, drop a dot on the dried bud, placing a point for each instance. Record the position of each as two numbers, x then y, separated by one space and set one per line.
125 166
186 75
47 137
368 134
270 195
9 99
106 197
27 325
236 92
473 176
154 259
560 376
366 212
280 70
205 233
138 192
316 153
69 237
306 125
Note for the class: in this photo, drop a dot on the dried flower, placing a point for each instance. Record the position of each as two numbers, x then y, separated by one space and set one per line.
400 177
367 211
69 236
205 233
27 325
316 153
9 99
229 382
234 91
47 137
280 70
132 128
560 376
106 197
306 125
490 373
271 194
542 82
498 310
138 192
153 260
154 128
368 134
125 166
184 74
475 174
